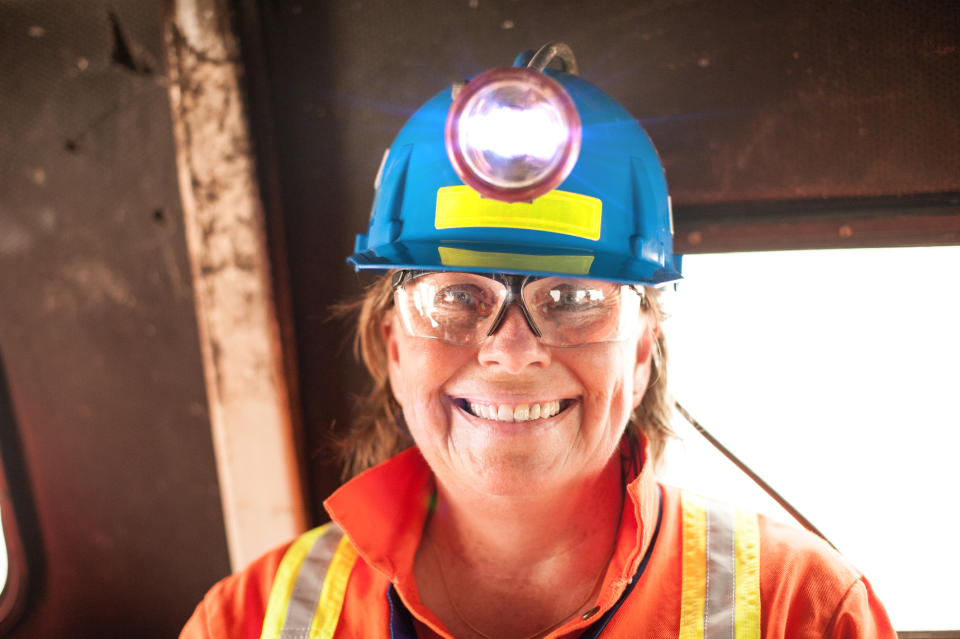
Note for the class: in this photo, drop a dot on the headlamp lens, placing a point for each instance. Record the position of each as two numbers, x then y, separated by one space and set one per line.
513 134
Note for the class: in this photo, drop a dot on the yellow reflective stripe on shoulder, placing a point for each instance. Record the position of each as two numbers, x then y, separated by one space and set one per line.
693 586
308 590
334 589
555 212
285 580
571 264
720 585
747 606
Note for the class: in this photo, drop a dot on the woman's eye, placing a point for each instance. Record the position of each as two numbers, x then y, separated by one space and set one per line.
573 299
462 298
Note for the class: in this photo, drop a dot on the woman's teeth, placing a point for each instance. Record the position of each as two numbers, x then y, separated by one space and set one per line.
518 413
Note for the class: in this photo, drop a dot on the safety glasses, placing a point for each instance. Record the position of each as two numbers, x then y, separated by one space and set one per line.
466 308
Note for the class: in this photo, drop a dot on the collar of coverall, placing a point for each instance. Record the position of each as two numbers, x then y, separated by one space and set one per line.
383 511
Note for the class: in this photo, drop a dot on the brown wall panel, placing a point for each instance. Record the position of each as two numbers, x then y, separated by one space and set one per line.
97 327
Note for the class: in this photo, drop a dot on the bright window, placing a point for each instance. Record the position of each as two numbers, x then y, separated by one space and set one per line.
836 376
13 562
3 558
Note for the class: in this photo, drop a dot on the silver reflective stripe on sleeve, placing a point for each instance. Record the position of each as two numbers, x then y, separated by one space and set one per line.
721 573
306 593
720 585
310 586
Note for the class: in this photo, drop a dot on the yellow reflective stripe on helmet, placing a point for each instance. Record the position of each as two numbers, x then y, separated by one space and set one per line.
556 212
285 580
693 586
570 264
334 590
747 600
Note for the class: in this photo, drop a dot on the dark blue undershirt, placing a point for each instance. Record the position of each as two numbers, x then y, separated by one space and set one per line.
401 621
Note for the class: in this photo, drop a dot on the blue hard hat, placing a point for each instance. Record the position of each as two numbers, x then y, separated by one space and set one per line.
609 219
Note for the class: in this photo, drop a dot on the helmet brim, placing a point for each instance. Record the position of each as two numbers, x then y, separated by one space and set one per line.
480 257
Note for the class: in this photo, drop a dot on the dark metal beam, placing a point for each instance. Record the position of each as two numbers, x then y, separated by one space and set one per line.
929 220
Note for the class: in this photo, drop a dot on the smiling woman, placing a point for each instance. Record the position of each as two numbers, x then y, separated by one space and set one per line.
505 458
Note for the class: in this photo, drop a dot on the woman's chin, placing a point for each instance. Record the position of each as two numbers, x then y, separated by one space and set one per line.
498 471
498 458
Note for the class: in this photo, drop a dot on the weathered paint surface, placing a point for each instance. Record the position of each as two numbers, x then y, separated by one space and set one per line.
247 393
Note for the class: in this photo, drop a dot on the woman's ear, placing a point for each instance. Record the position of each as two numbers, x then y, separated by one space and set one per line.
388 330
643 365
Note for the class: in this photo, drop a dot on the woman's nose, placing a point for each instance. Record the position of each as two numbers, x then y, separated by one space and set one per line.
513 346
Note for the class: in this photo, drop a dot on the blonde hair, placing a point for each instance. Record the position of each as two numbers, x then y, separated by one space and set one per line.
378 431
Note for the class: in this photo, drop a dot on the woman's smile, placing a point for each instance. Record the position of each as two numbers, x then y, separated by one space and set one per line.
519 412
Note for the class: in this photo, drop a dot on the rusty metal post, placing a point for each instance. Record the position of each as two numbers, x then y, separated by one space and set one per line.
249 397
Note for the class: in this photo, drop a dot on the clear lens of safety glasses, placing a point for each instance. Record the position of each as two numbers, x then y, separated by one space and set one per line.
572 312
465 308
459 308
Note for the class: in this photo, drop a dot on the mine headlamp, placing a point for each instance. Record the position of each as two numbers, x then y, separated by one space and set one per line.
513 134
529 170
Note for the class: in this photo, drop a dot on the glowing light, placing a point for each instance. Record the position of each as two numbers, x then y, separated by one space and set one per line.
513 134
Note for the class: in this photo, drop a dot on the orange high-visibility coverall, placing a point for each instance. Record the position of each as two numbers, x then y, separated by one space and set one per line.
807 590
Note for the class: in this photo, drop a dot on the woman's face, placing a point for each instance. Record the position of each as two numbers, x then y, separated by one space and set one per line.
472 410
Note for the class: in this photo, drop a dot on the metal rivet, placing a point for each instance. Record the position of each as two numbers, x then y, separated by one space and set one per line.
590 613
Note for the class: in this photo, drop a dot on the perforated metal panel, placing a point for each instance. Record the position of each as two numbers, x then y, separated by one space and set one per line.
97 326
785 101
